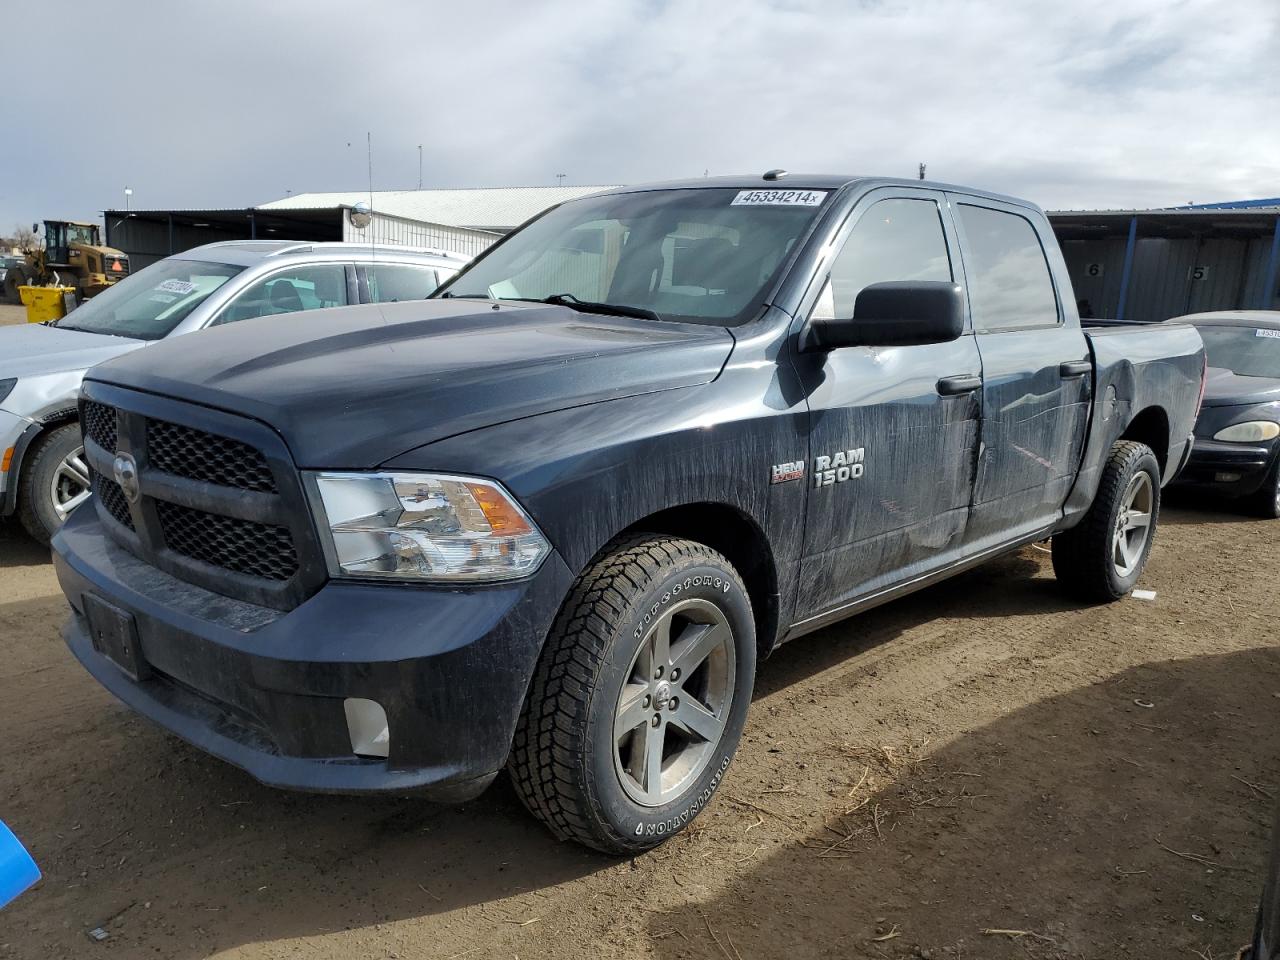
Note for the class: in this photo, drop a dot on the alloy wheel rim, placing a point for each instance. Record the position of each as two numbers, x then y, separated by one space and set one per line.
1133 524
674 703
70 484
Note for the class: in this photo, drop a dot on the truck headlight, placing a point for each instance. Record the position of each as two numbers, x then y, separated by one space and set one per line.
1253 431
425 526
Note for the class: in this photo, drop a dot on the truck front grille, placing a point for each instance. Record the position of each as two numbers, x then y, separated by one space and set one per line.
255 549
100 424
220 502
112 498
187 452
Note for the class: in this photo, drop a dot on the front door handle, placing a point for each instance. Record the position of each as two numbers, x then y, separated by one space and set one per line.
1075 368
961 383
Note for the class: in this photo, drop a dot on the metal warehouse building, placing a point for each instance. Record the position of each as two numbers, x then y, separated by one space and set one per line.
463 220
1157 264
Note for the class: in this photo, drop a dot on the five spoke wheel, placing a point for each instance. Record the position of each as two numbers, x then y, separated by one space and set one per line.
673 706
1133 524
70 484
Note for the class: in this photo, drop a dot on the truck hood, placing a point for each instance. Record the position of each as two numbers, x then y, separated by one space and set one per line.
352 387
29 350
1224 388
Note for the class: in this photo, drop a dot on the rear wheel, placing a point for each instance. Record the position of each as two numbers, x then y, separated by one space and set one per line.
639 699
54 481
1102 557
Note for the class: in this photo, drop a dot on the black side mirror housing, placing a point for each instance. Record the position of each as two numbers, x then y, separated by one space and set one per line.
895 314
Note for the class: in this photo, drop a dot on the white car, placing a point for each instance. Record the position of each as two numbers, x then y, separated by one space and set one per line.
42 472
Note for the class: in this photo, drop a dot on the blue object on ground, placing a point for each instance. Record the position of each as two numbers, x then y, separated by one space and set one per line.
17 870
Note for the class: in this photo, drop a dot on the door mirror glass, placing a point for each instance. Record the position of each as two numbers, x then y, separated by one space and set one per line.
895 314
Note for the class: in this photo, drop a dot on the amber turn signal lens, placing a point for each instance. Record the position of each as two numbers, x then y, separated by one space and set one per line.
502 515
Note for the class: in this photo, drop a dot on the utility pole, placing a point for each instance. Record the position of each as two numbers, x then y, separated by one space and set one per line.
128 198
560 179
923 166
419 166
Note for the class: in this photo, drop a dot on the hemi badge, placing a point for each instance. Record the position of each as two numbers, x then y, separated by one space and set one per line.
782 472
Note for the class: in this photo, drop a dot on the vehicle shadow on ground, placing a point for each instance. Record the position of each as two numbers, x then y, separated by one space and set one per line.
1181 508
1004 587
17 549
1050 820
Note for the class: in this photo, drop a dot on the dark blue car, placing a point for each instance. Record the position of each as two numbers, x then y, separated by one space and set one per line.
1237 441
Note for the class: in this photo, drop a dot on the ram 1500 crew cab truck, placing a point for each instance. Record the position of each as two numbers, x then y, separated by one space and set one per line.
552 518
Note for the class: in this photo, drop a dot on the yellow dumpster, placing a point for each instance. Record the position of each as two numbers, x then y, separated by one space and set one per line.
46 303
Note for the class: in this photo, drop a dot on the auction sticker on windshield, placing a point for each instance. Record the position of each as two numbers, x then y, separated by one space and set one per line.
779 198
182 287
1272 334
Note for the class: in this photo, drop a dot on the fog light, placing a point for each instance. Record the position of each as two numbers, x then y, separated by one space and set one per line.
1226 477
367 725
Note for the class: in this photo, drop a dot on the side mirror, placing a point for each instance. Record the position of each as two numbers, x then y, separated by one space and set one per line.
896 314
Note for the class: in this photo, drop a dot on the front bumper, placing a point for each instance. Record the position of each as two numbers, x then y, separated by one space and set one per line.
1229 469
264 689
14 436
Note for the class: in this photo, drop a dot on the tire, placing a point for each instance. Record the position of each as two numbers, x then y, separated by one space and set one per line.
1096 560
578 759
54 481
13 278
1266 502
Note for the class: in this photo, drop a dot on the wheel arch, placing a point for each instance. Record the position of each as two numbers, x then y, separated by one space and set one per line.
1151 426
735 534
28 442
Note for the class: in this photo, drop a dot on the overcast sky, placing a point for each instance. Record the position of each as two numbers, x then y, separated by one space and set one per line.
1070 103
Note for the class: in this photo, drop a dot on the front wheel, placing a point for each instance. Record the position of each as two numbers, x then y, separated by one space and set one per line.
1266 502
1101 558
54 481
640 696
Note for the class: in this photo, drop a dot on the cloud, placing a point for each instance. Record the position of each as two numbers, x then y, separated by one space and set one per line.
1079 104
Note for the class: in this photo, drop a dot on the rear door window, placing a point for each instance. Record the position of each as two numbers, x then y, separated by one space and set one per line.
393 282
310 287
1010 286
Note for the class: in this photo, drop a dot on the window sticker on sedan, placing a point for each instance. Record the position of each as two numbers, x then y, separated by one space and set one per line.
1272 334
779 198
181 287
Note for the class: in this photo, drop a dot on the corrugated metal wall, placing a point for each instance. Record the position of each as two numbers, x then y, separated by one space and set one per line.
410 233
146 241
1170 277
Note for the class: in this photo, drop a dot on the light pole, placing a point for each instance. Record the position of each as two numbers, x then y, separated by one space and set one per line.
128 196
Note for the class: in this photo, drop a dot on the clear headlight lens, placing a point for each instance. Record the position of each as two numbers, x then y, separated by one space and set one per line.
425 526
1254 431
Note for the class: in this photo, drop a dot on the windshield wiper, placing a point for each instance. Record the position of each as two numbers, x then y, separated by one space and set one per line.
591 306
465 296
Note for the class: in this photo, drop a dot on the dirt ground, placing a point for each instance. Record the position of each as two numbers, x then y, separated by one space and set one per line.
12 313
982 770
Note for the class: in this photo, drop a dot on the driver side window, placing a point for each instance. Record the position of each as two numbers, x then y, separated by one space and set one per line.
289 291
895 239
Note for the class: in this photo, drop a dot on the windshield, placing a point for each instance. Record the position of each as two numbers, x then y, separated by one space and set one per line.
149 304
1245 351
77 233
703 255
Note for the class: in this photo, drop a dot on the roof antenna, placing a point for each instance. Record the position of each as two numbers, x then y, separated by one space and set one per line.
368 137
923 167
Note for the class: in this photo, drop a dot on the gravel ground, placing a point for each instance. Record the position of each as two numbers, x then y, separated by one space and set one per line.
12 313
985 756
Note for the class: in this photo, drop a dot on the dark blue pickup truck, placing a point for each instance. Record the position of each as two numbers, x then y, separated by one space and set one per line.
552 519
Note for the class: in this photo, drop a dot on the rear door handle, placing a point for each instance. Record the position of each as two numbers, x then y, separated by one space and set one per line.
1075 368
961 383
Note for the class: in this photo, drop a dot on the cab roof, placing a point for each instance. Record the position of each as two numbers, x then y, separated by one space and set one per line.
810 181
